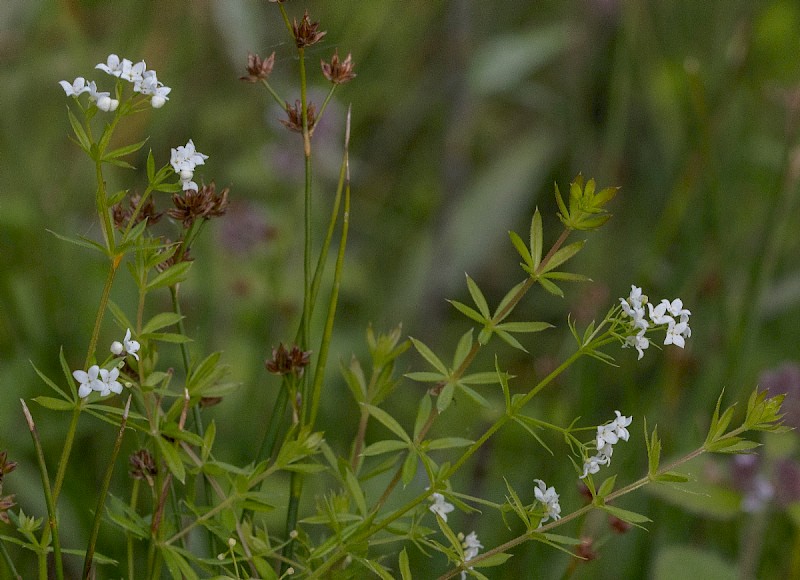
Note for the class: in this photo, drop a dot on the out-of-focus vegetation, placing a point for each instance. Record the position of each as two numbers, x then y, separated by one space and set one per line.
464 114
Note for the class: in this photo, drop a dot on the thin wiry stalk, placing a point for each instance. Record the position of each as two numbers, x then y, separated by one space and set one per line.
7 559
101 498
48 495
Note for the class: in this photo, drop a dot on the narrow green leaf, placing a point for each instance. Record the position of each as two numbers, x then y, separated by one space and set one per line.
522 249
626 515
563 255
462 349
173 459
475 396
423 412
550 287
425 377
171 276
123 151
484 378
524 326
405 568
52 385
510 340
385 446
208 440
607 486
354 488
80 133
389 422
567 277
82 242
448 442
67 375
428 355
671 477
536 239
170 337
467 311
151 166
445 397
494 560
564 216
55 404
409 467
161 320
478 298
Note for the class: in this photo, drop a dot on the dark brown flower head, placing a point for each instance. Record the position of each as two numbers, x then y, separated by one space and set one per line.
192 205
258 69
6 503
338 72
6 466
285 361
306 33
143 466
295 120
122 214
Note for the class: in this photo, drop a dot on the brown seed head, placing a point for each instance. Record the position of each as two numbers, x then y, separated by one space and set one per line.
306 33
285 361
258 69
122 214
338 72
205 203
295 120
6 503
173 259
209 401
6 466
143 466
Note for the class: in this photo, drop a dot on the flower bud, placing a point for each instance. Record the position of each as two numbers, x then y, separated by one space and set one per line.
116 348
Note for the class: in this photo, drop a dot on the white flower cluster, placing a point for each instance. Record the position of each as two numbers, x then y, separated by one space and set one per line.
144 82
673 314
127 345
183 160
549 499
471 546
608 435
97 379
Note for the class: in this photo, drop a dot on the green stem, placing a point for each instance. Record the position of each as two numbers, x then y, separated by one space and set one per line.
101 498
48 495
9 561
129 538
275 96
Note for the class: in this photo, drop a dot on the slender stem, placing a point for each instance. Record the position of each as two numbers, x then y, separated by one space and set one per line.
7 559
48 495
134 501
101 498
275 96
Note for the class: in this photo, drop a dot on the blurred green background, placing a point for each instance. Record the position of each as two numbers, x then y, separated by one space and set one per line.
464 114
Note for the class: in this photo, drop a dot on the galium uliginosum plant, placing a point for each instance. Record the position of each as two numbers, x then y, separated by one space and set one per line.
189 514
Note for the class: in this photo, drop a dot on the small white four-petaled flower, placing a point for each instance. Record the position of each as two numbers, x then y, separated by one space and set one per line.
127 345
183 160
548 497
440 507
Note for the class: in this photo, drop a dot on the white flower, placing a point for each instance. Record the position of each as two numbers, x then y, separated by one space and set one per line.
549 499
659 314
620 424
102 98
109 382
440 507
607 434
676 333
471 547
183 160
676 307
131 346
132 72
112 66
160 97
639 341
116 348
77 87
88 381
